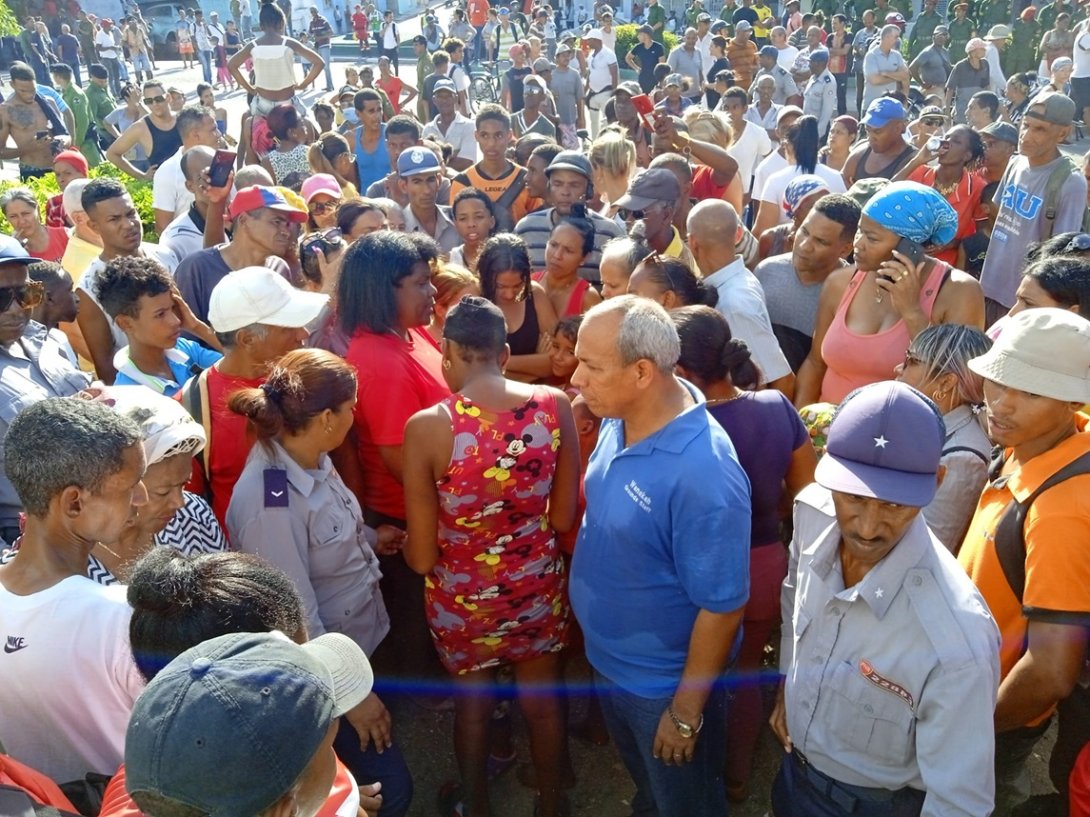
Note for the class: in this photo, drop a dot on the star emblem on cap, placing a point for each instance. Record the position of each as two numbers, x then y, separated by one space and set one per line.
880 442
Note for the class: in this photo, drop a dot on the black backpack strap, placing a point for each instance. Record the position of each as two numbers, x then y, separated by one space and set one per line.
1010 535
502 208
966 448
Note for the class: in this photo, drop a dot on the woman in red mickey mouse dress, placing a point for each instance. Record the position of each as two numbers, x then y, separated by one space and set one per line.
490 475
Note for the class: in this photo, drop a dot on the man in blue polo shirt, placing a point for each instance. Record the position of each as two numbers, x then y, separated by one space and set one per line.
661 570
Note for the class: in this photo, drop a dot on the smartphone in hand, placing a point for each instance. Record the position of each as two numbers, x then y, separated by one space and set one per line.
220 169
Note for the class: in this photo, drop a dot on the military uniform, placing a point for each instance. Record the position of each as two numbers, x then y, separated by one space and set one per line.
828 8
785 84
819 100
890 684
961 31
923 29
993 12
1046 17
1021 54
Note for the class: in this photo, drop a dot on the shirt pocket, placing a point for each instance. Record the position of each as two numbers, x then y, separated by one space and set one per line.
869 719
332 539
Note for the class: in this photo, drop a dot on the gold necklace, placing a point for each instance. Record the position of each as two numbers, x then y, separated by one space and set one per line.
718 401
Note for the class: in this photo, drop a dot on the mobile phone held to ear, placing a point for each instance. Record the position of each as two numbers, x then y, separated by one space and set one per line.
915 253
220 169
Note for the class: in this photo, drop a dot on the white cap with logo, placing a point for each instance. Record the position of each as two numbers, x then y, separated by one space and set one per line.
259 295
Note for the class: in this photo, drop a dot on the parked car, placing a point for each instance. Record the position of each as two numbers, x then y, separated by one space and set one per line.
162 19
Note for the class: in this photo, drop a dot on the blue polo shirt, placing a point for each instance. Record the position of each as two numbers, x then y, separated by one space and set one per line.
665 535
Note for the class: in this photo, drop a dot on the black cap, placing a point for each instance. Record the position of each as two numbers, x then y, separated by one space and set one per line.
571 160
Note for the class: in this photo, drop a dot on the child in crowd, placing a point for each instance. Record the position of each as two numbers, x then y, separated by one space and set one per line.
973 249
562 353
141 298
223 76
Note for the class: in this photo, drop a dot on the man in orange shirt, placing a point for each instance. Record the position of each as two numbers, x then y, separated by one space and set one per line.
502 180
1036 379
742 53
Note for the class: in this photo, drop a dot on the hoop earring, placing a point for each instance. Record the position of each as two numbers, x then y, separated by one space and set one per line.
446 365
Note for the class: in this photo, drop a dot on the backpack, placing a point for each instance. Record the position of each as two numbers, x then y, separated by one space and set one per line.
1056 179
1010 535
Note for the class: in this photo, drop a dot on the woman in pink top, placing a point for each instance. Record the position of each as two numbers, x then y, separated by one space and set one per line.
867 315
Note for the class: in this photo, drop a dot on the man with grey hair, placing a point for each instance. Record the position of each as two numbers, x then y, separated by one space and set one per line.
884 69
78 467
84 242
658 633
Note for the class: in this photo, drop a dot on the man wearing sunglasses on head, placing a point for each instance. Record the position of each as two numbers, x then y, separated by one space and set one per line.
157 133
33 365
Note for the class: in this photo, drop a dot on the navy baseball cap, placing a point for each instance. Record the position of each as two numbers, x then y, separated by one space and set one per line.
820 54
769 51
416 160
885 442
882 111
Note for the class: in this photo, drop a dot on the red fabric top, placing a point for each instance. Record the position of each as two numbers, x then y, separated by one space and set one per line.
396 380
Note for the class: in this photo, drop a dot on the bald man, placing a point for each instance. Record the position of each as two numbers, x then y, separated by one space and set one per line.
713 227
185 234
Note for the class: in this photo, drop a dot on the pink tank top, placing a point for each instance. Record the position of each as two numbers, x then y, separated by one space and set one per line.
855 360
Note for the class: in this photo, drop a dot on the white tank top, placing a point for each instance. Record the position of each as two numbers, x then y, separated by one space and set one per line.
274 66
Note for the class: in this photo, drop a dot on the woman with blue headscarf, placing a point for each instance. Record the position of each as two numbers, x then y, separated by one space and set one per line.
868 315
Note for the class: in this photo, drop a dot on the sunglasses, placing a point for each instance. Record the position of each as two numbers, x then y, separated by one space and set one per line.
933 123
154 100
626 214
1080 243
324 206
28 296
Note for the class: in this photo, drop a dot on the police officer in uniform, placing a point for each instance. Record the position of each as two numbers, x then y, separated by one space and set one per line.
890 655
786 87
819 96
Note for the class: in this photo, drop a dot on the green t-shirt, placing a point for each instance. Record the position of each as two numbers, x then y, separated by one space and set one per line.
655 15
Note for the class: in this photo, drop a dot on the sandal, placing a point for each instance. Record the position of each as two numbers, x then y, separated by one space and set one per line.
450 800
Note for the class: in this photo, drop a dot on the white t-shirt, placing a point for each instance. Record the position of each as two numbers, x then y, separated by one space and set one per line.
786 58
599 77
182 237
90 279
458 76
748 149
1081 53
772 163
777 183
168 190
107 48
609 40
67 677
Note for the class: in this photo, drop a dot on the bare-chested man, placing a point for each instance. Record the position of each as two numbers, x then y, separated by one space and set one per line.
157 133
23 117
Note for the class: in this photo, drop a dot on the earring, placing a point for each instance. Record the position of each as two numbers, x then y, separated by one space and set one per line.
446 365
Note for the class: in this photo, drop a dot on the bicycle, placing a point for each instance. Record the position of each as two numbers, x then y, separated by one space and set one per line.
484 84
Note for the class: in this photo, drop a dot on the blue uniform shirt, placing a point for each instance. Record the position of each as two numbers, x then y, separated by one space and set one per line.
186 359
665 535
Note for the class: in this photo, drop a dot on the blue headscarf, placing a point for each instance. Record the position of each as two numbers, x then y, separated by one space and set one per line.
913 211
799 188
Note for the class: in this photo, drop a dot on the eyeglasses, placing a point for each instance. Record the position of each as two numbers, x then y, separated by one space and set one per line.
1080 243
937 122
324 206
154 100
28 296
626 214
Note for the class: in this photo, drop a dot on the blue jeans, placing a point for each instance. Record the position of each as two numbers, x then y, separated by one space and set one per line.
801 791
326 52
692 790
205 58
389 768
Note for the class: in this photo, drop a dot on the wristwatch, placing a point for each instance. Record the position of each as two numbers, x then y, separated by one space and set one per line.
684 729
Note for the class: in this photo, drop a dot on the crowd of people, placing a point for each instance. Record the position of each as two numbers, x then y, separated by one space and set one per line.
418 396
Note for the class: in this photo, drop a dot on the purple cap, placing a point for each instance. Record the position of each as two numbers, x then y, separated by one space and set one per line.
885 442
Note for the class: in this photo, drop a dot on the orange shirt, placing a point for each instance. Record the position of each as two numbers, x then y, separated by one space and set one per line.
965 199
743 60
495 188
1057 560
478 13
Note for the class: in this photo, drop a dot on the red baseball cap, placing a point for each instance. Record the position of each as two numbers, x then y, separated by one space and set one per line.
260 197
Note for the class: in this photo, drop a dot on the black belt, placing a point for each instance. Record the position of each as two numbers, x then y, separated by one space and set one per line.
845 795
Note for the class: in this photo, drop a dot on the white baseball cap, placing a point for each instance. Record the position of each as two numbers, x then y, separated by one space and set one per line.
259 295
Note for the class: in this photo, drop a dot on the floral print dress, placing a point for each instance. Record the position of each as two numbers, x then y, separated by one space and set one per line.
496 595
